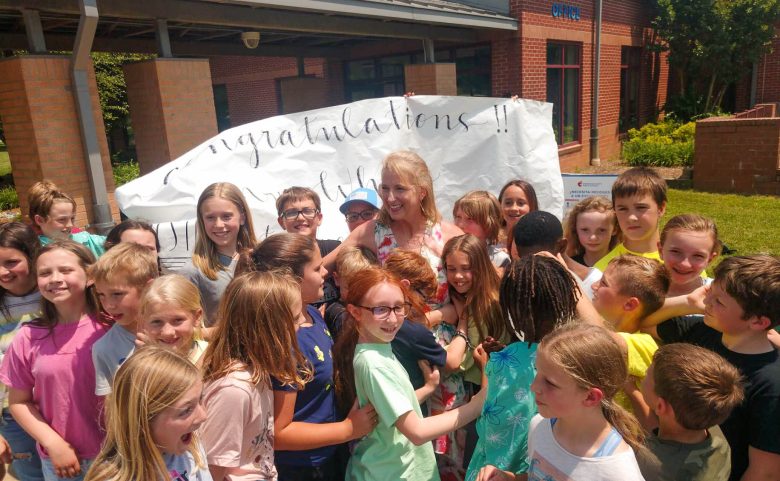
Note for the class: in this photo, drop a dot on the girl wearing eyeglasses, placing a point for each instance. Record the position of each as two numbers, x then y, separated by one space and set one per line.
399 447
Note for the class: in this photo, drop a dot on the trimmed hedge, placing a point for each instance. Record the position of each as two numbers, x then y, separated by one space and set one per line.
665 144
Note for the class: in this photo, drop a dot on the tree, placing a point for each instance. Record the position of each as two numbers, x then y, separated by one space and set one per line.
711 44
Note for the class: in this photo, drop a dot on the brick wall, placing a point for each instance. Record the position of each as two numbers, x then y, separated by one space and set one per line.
42 130
737 155
171 108
431 79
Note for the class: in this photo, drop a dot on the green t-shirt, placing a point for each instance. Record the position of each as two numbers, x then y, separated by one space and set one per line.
386 454
92 242
709 460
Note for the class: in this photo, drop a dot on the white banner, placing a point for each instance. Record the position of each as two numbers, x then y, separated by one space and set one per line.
468 143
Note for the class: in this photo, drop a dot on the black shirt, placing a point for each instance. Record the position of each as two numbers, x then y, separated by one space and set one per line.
756 422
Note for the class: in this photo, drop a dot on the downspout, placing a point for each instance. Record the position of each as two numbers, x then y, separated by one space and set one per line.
594 119
80 61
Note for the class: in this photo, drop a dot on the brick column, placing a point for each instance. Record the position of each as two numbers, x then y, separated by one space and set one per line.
42 130
171 108
431 79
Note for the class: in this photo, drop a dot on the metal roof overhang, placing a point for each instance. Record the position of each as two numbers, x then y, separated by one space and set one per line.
311 28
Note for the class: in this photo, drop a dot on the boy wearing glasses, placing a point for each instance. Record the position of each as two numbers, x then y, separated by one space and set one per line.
300 213
360 206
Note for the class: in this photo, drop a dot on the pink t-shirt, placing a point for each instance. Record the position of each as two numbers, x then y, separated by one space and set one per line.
58 368
239 431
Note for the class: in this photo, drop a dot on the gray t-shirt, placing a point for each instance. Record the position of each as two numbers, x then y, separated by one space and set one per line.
108 353
210 290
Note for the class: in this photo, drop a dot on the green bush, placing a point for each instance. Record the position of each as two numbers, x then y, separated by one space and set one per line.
125 172
664 144
9 199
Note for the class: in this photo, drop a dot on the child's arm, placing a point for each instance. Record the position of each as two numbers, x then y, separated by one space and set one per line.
763 465
25 412
421 430
445 313
432 377
575 267
642 411
492 473
456 349
678 306
292 435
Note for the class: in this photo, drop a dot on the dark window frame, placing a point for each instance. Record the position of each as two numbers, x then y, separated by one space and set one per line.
630 69
563 67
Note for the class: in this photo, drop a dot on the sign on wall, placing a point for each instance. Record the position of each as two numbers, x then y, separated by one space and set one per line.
468 143
579 186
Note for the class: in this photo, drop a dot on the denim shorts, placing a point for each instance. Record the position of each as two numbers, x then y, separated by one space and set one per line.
26 465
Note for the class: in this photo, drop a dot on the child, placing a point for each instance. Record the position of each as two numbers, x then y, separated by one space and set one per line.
398 448
48 368
264 310
517 198
537 295
308 429
591 230
224 229
479 213
360 206
53 212
536 232
348 261
152 418
631 288
171 316
20 302
742 303
300 212
134 231
120 277
691 390
639 198
688 244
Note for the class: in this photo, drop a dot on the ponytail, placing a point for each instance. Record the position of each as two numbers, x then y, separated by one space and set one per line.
343 371
625 423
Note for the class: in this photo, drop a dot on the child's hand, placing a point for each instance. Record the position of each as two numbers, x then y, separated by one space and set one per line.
774 338
492 473
142 339
431 374
363 420
6 455
480 356
696 298
63 457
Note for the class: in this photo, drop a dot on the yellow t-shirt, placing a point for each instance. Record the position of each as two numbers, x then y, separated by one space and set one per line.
641 348
619 250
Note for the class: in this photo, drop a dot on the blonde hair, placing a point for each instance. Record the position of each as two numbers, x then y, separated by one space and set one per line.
594 359
351 260
595 203
146 384
481 302
261 327
484 209
693 223
41 196
172 290
413 169
205 257
126 263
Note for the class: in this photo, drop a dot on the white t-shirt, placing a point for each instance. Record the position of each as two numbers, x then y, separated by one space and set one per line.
108 353
550 462
182 467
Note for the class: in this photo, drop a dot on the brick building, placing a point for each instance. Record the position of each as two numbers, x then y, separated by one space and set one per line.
549 57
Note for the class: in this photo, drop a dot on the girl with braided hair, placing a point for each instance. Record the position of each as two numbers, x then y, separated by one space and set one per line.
537 294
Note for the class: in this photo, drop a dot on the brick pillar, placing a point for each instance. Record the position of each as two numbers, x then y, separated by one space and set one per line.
303 93
431 79
42 130
171 108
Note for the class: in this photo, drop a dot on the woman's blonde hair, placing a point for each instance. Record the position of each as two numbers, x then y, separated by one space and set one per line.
484 209
146 384
594 359
594 203
257 331
481 302
205 257
172 290
412 169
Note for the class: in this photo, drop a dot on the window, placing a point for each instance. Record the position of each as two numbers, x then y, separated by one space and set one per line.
384 76
563 90
221 107
630 61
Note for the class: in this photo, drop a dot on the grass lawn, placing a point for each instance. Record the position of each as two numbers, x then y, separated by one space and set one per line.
747 224
5 163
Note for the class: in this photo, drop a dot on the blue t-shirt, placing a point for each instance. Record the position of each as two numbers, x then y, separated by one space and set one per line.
316 402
